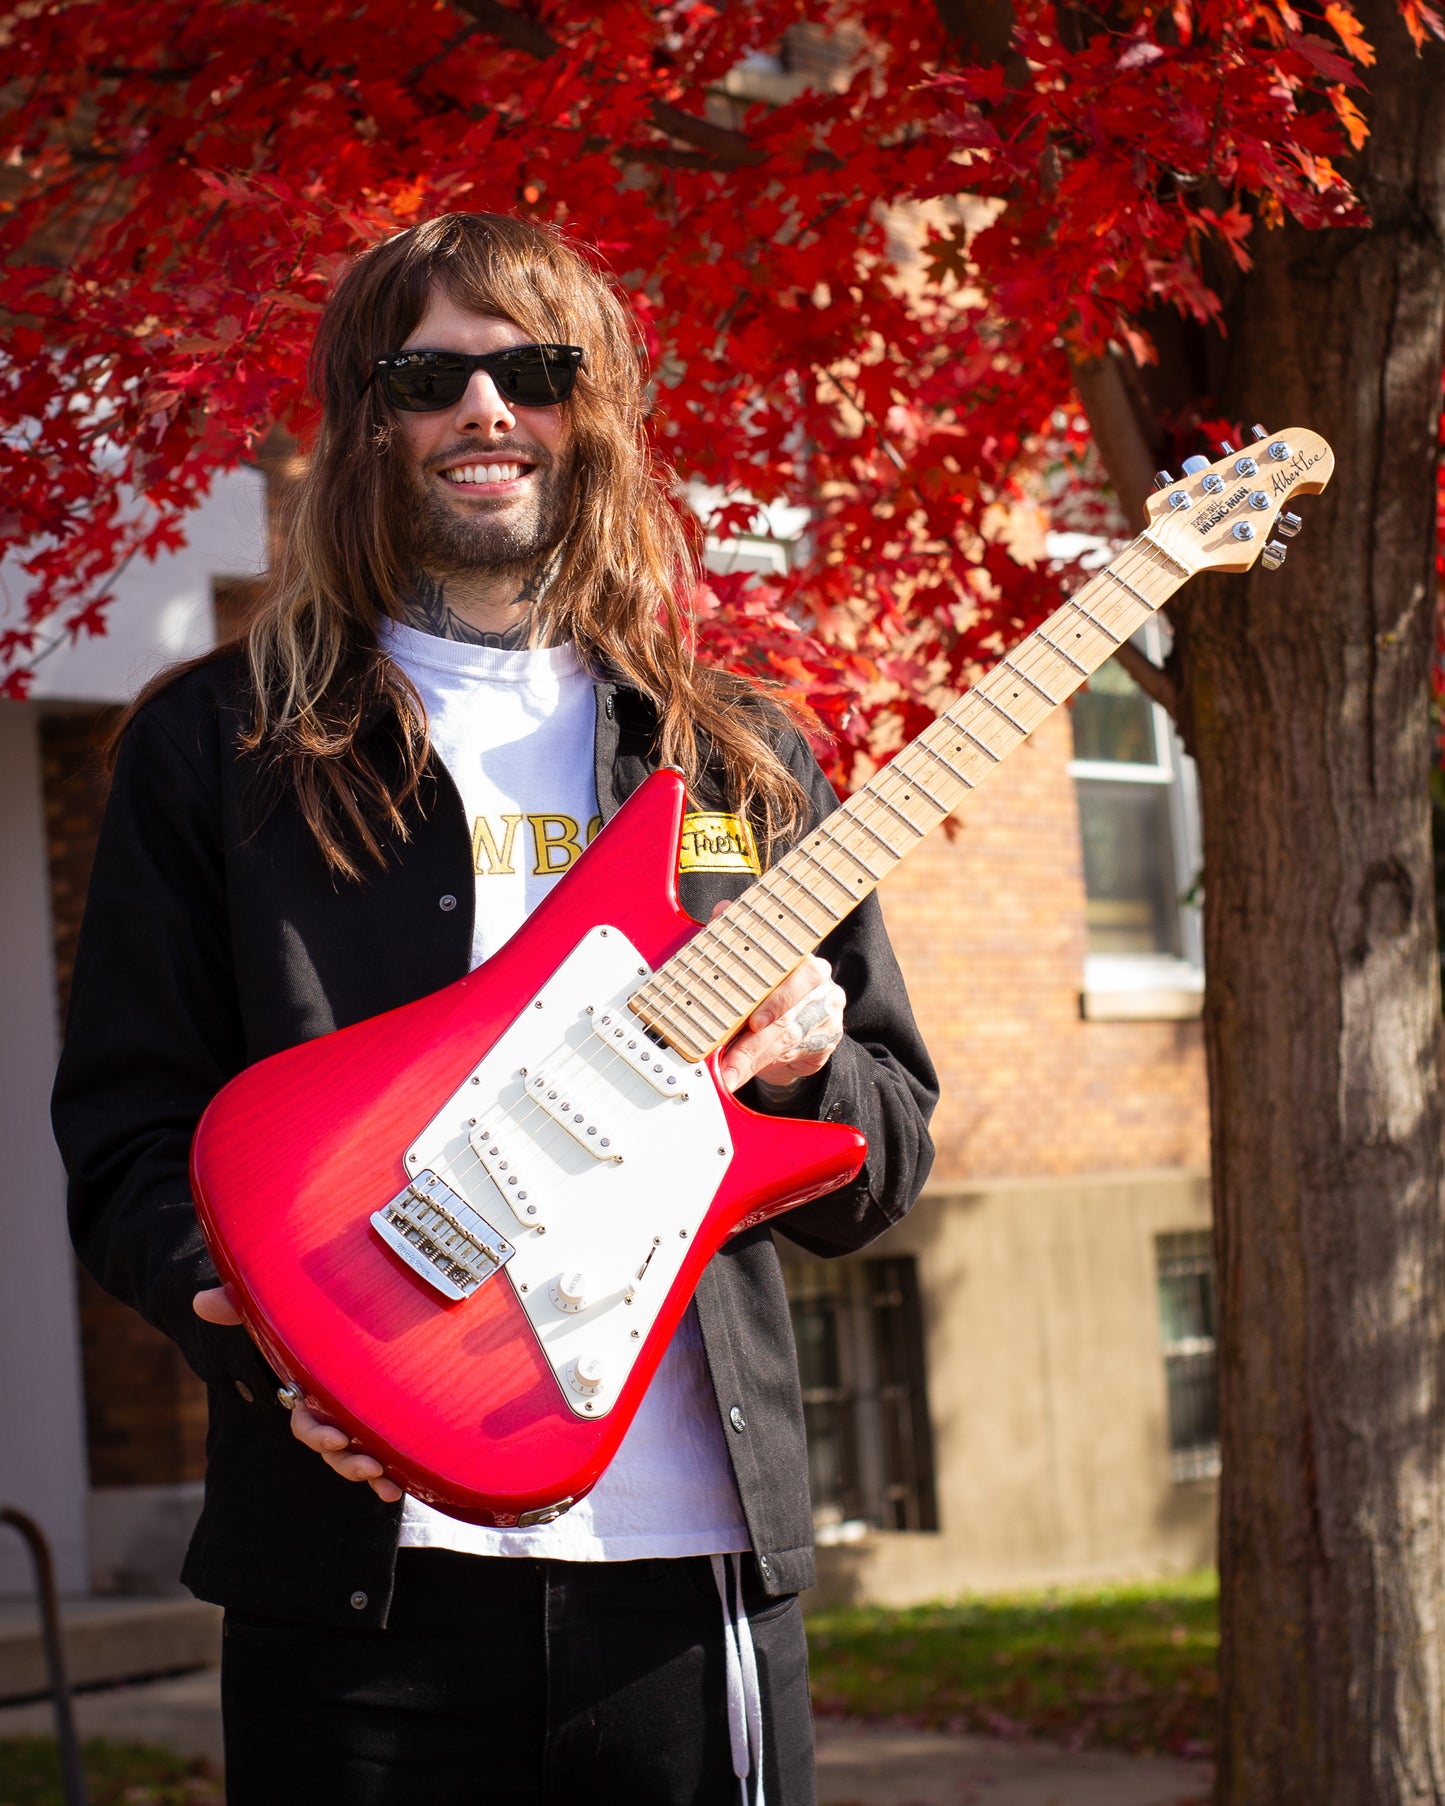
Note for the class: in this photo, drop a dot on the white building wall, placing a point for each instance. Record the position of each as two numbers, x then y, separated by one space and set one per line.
42 1428
162 612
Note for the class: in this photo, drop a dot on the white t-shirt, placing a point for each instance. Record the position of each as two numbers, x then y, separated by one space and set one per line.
515 730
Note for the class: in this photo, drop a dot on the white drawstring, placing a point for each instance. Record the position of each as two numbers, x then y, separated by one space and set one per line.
745 1697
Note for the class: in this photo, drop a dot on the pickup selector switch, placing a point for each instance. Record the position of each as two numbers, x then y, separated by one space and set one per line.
569 1292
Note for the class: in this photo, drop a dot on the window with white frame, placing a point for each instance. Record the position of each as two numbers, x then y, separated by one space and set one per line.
1138 819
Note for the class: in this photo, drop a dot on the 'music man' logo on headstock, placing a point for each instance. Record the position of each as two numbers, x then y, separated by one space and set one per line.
1211 516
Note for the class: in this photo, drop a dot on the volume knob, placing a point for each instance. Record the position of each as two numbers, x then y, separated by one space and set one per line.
569 1291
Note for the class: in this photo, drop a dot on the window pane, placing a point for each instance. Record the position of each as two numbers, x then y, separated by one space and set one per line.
1132 904
859 1333
1186 1331
1114 719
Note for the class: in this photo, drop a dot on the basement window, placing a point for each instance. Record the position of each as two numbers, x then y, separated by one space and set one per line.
860 1354
1191 1372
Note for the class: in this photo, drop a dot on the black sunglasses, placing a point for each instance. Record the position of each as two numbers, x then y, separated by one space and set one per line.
532 376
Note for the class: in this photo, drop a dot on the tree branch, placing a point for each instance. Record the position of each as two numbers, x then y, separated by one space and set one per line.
724 147
1155 682
1119 435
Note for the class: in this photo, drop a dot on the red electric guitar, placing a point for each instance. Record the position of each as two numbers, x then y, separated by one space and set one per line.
466 1230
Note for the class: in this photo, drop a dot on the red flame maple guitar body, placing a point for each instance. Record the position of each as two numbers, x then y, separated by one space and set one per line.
466 1230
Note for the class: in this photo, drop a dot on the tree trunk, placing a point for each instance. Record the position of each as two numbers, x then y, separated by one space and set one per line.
1306 700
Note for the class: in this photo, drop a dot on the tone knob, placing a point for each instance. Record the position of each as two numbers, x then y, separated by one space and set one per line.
569 1291
588 1372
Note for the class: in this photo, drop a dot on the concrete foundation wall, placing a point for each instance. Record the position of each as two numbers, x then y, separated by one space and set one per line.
1046 1391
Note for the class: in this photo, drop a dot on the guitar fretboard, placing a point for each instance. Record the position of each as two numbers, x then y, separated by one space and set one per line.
701 997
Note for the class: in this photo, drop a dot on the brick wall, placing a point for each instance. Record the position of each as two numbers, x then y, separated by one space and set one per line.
145 1410
989 929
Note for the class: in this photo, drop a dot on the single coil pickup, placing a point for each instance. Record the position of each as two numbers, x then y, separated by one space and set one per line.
440 1237
621 1033
495 1149
560 1101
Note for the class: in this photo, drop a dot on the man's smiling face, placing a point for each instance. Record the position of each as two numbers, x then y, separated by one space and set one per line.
493 480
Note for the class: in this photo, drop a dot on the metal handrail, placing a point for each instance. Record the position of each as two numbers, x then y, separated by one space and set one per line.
72 1774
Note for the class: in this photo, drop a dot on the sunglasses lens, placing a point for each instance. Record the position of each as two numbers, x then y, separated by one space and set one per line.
429 380
532 376
536 376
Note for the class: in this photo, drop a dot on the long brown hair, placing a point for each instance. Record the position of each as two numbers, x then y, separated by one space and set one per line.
627 564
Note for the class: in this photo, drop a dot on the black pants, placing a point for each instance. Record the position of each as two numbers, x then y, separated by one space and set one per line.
515 1683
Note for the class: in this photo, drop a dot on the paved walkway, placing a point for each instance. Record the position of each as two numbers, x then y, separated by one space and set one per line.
858 1765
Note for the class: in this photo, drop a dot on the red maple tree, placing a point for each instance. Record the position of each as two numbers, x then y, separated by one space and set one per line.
186 180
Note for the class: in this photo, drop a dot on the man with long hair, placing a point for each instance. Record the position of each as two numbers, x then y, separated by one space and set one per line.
473 649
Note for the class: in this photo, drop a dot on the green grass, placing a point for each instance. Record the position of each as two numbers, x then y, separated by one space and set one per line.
1129 1668
117 1774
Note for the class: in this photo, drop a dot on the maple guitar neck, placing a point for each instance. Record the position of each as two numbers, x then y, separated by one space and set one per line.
701 997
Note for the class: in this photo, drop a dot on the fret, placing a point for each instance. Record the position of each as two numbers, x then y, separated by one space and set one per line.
1033 684
868 828
1089 615
1053 646
852 852
744 904
1137 594
726 922
1164 553
982 745
920 788
948 765
697 951
772 893
804 852
875 795
687 996
999 709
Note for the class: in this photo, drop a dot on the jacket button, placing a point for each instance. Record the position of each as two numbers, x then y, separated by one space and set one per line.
736 1418
448 901
245 1392
765 1567
359 1601
607 708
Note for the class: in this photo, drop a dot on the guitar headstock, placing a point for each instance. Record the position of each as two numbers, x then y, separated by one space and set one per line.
1223 516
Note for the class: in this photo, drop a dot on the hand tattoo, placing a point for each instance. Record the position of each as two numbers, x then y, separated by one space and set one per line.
809 1020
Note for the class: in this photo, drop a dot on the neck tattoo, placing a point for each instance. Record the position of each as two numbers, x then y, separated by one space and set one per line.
426 608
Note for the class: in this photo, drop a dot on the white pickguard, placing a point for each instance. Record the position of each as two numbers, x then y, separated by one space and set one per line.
560 1194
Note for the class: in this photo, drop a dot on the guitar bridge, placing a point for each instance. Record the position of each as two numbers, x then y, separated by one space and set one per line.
441 1238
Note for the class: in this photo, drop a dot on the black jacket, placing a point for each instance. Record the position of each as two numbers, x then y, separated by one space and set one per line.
213 936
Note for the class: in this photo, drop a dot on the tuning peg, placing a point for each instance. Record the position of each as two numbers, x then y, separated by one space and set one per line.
1162 479
1272 557
1258 432
1225 448
1192 466
1289 525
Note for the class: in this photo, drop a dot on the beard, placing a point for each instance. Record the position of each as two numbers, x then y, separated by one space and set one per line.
497 537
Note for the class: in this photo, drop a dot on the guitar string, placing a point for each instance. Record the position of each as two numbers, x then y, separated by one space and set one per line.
577 1063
